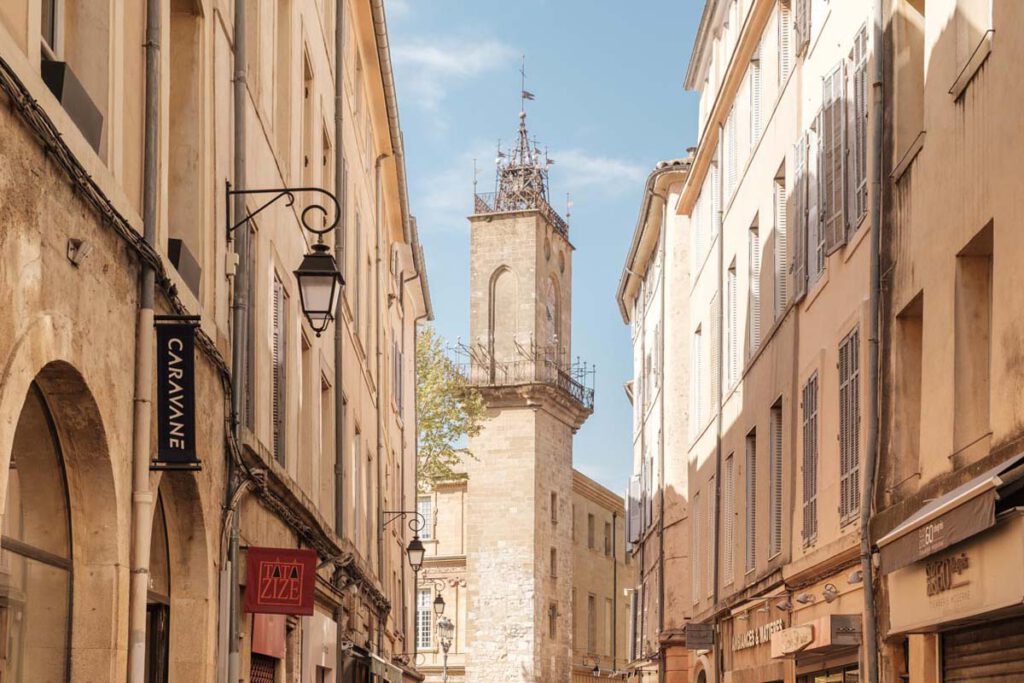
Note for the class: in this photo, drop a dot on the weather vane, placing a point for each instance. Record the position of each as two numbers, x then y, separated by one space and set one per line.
524 94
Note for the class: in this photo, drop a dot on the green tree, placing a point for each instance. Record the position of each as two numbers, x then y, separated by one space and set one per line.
448 409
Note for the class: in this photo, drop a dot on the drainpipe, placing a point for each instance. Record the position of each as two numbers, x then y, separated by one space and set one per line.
142 496
661 435
340 237
239 334
870 465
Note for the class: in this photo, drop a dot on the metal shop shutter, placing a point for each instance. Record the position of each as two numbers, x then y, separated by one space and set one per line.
992 652
261 669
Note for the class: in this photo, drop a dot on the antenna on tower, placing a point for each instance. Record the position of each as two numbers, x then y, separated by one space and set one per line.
568 207
524 94
474 176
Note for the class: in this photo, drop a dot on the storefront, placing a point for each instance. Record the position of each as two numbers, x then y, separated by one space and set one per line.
746 644
954 570
823 650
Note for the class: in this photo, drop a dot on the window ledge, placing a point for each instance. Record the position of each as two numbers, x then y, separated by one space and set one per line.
908 157
973 65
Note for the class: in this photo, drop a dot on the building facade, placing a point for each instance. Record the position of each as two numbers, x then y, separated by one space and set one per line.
508 531
948 527
780 328
121 129
656 532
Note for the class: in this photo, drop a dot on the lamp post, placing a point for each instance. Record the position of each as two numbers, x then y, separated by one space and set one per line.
445 634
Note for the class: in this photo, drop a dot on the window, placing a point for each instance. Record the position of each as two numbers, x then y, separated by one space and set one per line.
785 57
801 25
279 368
751 478
775 475
799 218
357 487
755 96
552 620
728 517
908 344
909 66
573 523
972 348
698 397
709 555
849 427
591 542
326 447
554 508
859 143
695 535
591 623
36 553
50 24
731 161
554 563
810 459
781 276
425 507
832 158
308 122
609 626
754 325
283 81
424 619
732 332
607 538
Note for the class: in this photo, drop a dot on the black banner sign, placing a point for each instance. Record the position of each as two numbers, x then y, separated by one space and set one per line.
176 396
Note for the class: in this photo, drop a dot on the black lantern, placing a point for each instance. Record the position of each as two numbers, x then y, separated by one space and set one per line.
320 284
438 605
416 553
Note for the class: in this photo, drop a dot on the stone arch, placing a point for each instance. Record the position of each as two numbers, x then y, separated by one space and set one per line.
503 318
192 626
702 670
552 340
43 356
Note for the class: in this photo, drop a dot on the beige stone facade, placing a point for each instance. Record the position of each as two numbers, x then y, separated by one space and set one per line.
951 306
73 174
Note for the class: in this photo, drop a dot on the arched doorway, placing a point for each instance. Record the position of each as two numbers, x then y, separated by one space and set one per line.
35 553
158 600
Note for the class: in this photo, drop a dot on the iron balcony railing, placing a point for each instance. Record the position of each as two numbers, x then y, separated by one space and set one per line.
539 371
489 202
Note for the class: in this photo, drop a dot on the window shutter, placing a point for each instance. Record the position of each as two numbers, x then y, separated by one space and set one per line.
755 96
731 334
798 206
755 289
634 508
810 459
801 25
783 24
709 554
728 519
849 428
815 250
715 381
716 199
775 533
697 398
633 630
696 524
279 358
834 155
781 248
751 479
731 155
859 109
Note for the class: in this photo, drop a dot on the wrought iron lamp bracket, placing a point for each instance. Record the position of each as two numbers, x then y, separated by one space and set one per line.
288 194
415 524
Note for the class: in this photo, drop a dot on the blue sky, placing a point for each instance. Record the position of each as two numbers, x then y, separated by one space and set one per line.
610 104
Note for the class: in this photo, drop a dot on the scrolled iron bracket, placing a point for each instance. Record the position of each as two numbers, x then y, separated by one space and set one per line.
416 524
288 194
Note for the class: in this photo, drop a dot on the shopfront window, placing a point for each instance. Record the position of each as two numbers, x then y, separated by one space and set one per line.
846 674
158 610
35 553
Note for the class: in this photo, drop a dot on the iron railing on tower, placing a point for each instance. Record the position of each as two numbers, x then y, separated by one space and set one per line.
489 202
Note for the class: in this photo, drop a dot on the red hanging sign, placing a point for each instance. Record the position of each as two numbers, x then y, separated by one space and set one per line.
280 581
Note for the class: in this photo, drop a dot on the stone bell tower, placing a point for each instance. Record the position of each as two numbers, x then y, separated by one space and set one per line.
518 496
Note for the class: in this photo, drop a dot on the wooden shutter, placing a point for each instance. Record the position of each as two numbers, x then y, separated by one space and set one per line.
775 477
755 289
859 112
696 524
849 427
716 199
781 248
834 158
279 359
755 96
715 380
810 459
815 245
635 510
785 56
731 156
731 334
798 208
751 480
728 518
801 25
709 555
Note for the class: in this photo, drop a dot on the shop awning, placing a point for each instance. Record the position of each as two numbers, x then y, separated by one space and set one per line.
949 519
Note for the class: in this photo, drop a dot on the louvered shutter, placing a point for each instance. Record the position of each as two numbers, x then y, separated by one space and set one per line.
798 207
728 519
755 96
731 335
783 25
810 459
751 481
633 630
731 156
849 428
715 383
716 199
781 248
775 533
249 357
834 166
859 112
709 554
696 526
815 246
801 25
634 509
279 358
755 289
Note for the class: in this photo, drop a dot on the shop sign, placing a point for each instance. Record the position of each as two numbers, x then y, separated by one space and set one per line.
791 640
946 573
176 394
757 636
700 636
280 580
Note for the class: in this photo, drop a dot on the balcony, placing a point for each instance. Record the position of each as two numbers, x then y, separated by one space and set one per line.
576 379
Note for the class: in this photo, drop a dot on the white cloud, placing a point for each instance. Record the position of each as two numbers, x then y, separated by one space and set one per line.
581 171
429 69
443 199
398 9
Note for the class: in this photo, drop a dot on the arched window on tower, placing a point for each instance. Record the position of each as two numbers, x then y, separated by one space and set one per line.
503 321
35 559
